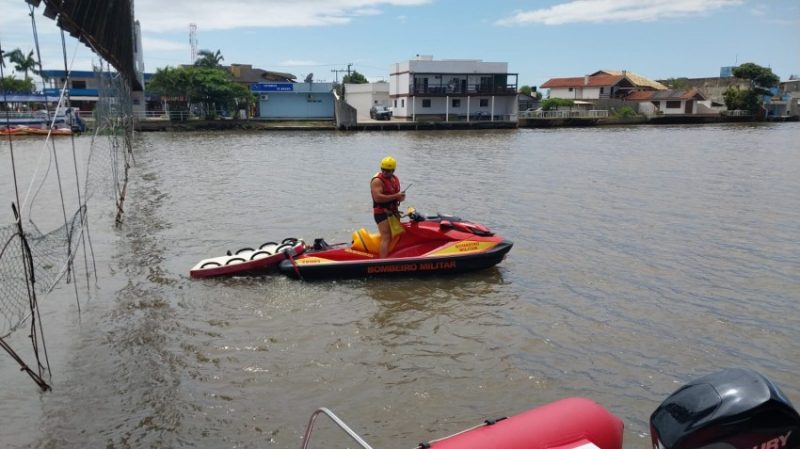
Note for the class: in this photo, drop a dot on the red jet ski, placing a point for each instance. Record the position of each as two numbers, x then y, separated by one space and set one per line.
428 245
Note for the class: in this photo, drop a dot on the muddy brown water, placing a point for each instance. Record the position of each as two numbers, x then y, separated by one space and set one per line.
644 257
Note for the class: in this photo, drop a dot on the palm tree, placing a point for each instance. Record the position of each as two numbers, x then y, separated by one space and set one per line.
22 63
205 58
12 55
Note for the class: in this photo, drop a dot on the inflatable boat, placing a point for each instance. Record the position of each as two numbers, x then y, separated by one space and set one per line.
730 409
246 261
426 245
29 130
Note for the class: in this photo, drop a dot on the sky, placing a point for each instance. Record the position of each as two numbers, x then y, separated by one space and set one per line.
539 39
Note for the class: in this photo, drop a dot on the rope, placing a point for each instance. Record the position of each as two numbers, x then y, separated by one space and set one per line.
289 255
36 377
84 224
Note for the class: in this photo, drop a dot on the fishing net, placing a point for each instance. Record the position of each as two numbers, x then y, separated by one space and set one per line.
32 262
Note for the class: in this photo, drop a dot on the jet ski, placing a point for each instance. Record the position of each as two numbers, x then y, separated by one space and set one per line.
426 245
731 409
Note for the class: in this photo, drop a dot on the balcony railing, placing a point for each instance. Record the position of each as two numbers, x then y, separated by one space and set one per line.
595 113
470 90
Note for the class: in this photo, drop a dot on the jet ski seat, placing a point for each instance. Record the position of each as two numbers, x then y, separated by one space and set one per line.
364 241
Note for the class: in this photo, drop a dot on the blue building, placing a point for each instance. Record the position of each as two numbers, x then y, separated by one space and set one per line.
286 100
83 87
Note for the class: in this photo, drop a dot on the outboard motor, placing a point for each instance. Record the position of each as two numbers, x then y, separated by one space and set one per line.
731 409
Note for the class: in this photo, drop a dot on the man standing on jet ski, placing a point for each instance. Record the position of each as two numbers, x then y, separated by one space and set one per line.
386 198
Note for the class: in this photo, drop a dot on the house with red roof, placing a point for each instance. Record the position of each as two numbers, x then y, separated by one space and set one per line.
603 84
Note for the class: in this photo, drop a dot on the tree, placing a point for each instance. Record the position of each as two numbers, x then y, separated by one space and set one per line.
744 100
11 84
206 88
354 78
205 58
22 63
678 83
761 78
531 91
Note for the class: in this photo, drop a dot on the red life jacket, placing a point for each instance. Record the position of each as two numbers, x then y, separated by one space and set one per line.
390 187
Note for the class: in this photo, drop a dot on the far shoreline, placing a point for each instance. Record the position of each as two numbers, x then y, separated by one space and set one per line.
397 125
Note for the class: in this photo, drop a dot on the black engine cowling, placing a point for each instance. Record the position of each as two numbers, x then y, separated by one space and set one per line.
731 409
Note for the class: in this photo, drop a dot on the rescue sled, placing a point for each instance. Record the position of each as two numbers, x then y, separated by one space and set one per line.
427 245
247 261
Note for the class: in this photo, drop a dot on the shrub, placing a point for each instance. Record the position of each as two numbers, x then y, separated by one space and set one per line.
625 111
555 103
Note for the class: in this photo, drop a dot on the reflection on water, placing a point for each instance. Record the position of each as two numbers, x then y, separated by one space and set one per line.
643 257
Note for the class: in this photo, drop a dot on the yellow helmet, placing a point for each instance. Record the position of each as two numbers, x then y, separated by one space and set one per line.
388 163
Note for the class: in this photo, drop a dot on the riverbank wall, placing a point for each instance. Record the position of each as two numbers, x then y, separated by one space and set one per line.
399 125
306 125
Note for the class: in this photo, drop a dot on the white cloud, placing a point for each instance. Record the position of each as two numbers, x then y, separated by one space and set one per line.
597 11
175 15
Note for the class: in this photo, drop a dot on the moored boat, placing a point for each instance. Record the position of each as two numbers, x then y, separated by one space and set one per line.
30 130
12 131
427 245
23 130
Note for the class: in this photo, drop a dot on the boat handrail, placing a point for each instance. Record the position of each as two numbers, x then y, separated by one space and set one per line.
336 421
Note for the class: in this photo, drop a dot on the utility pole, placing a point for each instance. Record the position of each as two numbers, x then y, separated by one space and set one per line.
336 71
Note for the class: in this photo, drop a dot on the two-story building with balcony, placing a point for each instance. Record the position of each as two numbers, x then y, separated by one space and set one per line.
424 89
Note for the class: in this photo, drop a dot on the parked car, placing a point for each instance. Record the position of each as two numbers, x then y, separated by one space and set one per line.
380 113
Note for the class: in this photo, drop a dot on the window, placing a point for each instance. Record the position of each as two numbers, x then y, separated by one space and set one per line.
426 103
395 102
456 102
570 89
78 84
675 104
402 102
484 102
602 89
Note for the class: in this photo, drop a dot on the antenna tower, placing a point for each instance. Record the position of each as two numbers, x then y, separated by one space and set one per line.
193 42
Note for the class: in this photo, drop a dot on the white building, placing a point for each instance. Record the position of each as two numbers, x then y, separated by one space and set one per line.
364 96
452 90
669 102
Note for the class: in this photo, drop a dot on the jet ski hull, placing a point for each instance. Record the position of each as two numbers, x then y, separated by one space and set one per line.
311 267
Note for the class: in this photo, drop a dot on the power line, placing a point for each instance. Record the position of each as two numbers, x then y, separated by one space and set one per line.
336 71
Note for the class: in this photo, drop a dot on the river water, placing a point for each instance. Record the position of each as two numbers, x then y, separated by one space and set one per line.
644 257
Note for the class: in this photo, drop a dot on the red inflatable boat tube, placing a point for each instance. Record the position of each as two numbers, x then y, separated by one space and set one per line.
566 424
